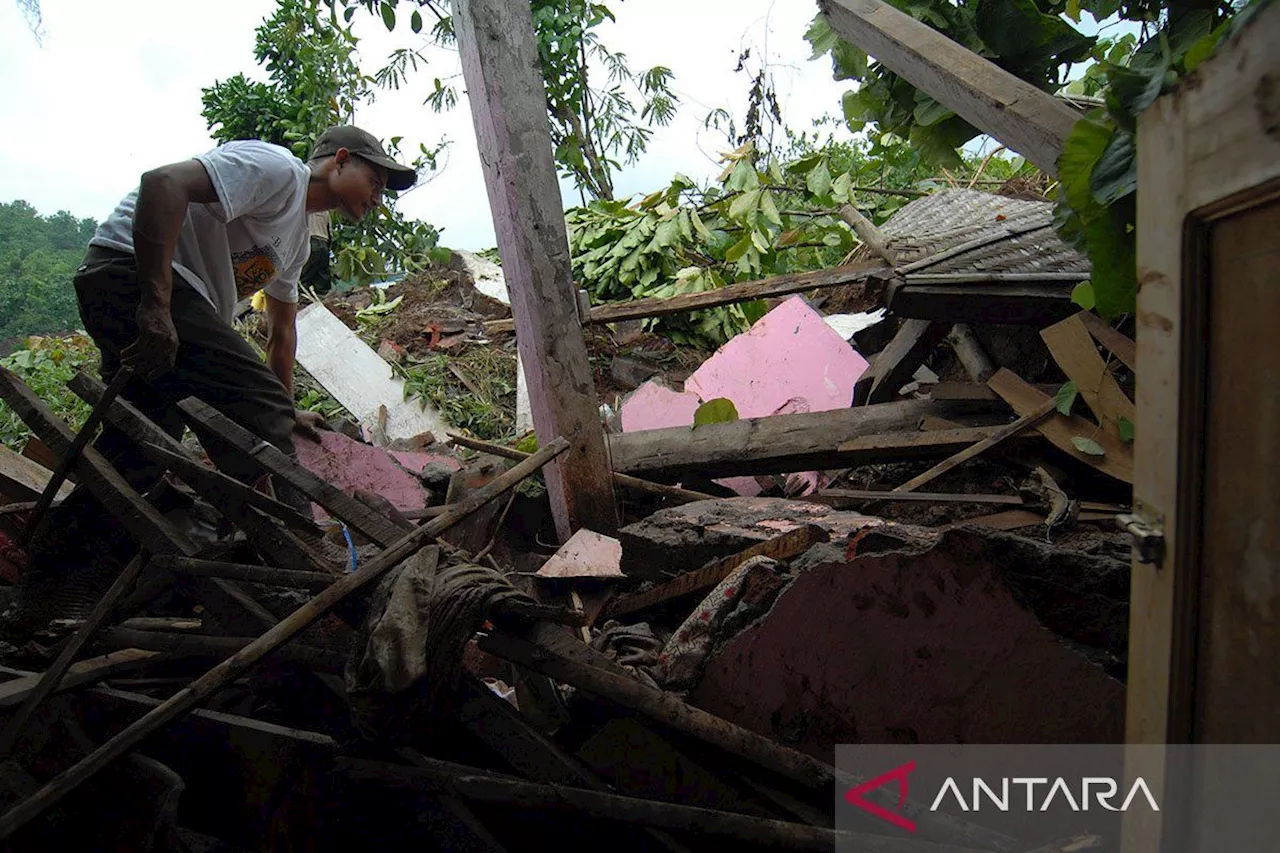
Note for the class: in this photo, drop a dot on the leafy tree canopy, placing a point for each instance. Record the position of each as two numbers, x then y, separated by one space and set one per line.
38 256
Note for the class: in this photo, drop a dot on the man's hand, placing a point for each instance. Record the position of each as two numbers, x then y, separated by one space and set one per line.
308 424
156 349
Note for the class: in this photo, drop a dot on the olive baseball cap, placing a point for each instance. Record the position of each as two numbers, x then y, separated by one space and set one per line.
367 147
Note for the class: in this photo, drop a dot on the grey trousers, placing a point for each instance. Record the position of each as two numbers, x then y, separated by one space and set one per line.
213 363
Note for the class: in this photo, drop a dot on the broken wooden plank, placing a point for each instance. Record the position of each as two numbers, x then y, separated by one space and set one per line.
918 444
301 619
1009 520
933 422
69 457
969 351
1029 304
784 547
1000 434
557 655
1073 349
272 461
500 65
87 671
840 497
472 783
217 646
1031 122
1117 458
743 291
512 737
893 366
244 572
801 442
53 675
1120 346
21 479
153 531
185 467
625 481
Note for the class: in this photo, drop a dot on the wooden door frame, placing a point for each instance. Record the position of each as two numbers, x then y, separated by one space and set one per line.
1209 149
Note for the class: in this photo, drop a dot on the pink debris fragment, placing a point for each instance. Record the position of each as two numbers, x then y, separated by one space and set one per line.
351 465
587 554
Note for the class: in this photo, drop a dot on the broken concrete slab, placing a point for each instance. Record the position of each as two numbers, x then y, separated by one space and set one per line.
352 465
358 378
682 538
587 554
909 636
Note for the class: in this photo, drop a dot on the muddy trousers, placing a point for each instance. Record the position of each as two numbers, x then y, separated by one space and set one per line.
82 546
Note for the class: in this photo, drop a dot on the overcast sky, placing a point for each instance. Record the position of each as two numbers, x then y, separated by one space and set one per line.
114 89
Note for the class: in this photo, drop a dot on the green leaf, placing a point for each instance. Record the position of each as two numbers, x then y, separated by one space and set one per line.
1067 397
928 111
1116 173
1081 151
819 179
1111 247
389 16
415 21
744 204
1200 51
698 226
738 249
1087 446
721 410
770 209
840 187
1082 295
821 36
528 444
1126 429
667 234
1133 89
743 177
1073 10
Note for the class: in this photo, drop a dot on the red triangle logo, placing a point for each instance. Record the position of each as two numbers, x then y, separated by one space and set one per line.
855 796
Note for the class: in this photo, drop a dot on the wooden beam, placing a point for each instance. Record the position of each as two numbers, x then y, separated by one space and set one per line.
271 460
298 621
1031 122
87 671
1120 346
1023 304
22 479
153 531
854 497
781 443
786 546
1000 434
1117 458
500 65
893 366
730 294
1073 349
244 572
622 481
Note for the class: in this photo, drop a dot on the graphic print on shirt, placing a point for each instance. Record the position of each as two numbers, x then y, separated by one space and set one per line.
254 268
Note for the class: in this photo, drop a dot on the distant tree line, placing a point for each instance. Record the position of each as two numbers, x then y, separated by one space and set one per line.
38 257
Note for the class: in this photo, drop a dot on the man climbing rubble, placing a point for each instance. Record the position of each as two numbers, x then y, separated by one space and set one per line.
157 292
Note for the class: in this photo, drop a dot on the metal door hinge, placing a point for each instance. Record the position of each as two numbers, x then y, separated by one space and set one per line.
1145 527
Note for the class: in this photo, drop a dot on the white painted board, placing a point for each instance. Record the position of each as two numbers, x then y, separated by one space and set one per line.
358 378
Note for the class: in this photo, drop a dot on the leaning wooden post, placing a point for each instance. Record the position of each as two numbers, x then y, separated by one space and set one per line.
509 108
1025 119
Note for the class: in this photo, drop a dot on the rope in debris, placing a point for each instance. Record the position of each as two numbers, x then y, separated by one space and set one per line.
407 658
